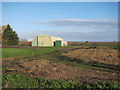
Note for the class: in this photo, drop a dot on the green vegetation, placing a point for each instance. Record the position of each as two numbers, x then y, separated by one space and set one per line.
13 52
20 81
10 36
16 52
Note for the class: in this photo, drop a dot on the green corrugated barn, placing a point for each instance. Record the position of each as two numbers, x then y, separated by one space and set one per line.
45 40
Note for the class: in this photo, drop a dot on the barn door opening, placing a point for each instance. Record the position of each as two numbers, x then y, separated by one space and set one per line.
37 41
54 43
57 43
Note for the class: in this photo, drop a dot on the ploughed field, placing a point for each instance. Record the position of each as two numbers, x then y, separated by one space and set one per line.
87 66
105 55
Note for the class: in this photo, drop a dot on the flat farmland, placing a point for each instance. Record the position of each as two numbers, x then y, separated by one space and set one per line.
87 65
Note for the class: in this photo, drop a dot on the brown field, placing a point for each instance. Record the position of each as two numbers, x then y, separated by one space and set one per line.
56 71
106 55
84 64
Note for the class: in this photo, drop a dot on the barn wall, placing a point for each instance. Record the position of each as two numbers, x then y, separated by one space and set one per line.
34 42
44 41
54 39
64 43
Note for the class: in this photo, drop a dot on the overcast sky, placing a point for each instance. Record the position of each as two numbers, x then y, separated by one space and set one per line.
72 21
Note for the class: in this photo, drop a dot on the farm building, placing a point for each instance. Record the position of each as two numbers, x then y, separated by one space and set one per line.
45 40
2 28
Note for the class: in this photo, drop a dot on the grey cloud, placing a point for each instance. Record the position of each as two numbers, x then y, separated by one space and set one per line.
99 24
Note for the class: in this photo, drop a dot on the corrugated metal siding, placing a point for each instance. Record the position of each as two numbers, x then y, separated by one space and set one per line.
34 42
45 40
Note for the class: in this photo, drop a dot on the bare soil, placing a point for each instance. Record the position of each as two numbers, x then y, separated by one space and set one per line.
58 71
105 55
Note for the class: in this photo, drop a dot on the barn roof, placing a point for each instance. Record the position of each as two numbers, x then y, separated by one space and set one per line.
53 37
